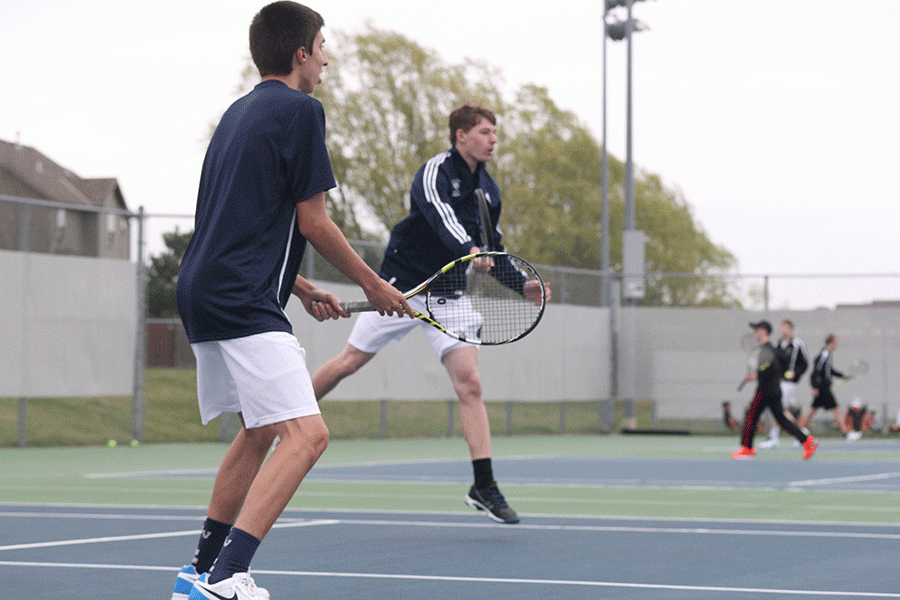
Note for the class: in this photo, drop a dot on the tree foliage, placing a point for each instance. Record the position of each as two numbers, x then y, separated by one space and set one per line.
162 275
387 100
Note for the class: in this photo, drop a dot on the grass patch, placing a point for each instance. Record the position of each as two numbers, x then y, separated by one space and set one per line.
171 416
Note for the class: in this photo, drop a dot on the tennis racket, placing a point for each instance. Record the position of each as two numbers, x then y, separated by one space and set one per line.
751 347
488 308
484 221
856 368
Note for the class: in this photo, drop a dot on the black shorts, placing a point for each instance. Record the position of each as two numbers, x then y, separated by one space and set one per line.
825 399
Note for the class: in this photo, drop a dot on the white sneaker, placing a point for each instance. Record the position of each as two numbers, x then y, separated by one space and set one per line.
852 436
769 443
239 586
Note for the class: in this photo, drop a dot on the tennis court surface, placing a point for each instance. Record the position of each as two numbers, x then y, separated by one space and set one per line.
602 517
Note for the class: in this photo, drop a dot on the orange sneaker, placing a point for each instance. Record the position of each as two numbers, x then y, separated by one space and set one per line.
809 447
744 453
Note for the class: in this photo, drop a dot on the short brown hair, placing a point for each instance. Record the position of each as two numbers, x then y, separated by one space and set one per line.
466 117
278 30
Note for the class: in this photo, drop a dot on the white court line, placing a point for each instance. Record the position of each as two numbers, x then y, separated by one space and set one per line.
630 529
852 479
290 522
483 580
101 516
146 536
466 525
151 474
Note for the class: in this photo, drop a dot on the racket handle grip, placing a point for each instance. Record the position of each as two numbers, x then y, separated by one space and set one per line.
352 307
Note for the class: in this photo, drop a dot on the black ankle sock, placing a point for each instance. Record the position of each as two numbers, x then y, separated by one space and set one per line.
484 473
214 534
237 552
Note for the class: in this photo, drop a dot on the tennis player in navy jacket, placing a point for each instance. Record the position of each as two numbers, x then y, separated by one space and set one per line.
442 226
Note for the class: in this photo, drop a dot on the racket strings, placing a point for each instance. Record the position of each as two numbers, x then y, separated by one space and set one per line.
859 367
749 343
490 308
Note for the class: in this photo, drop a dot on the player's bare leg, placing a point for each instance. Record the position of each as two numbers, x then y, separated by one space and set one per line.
804 420
462 365
839 422
302 442
240 466
349 361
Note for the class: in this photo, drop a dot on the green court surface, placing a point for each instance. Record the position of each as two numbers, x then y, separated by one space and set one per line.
645 477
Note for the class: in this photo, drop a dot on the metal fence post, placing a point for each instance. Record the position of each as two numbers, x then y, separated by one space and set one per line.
137 427
450 405
22 440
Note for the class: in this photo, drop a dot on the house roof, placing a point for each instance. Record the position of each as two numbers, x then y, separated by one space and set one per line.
54 182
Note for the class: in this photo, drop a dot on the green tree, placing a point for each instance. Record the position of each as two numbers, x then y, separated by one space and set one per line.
387 99
550 173
548 169
162 276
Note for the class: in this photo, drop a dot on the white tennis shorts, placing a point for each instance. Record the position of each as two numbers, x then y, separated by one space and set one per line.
262 376
788 393
372 332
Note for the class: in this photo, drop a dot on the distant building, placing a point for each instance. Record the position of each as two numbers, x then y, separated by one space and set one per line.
873 304
26 173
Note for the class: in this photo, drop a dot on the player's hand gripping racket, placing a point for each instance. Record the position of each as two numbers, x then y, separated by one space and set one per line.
751 347
487 308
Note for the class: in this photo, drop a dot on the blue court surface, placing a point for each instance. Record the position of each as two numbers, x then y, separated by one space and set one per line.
602 517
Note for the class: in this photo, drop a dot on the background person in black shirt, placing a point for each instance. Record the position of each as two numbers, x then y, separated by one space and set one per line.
822 376
795 359
769 372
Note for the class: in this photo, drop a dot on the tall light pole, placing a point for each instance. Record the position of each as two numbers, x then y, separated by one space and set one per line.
617 31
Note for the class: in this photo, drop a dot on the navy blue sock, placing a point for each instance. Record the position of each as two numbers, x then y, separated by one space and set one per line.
211 539
484 473
237 552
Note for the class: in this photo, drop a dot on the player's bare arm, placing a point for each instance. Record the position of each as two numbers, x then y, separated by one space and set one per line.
318 228
320 304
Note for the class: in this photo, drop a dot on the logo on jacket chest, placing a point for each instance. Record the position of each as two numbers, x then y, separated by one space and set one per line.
454 184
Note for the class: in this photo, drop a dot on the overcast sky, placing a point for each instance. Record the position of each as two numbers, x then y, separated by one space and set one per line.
776 118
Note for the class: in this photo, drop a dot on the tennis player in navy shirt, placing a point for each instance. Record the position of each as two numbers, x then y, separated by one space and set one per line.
261 198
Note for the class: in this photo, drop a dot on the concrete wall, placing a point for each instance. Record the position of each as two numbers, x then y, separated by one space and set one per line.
67 326
68 329
689 360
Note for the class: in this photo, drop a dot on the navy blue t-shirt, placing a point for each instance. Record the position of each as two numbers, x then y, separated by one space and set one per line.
267 153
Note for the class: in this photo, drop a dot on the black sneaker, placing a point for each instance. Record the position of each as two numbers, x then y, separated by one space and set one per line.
492 502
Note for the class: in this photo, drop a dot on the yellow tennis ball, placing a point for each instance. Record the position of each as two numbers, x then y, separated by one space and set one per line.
134 443
112 443
789 375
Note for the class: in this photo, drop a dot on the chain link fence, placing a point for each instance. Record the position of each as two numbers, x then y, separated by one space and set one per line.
47 227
